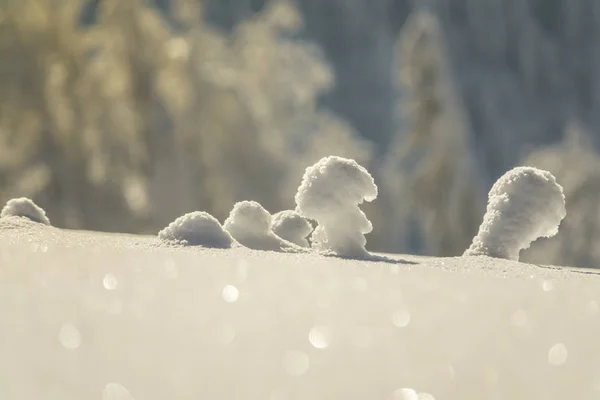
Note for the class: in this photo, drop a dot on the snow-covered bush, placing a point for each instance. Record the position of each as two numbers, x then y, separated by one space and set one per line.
525 204
293 227
330 193
251 225
197 228
24 207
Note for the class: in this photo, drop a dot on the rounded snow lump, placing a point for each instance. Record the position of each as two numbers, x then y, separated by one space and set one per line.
197 228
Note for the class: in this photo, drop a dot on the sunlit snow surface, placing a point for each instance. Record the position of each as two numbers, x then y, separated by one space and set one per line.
98 316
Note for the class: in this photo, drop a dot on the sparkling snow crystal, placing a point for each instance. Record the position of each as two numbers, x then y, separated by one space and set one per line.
197 229
24 207
291 226
330 193
524 205
251 225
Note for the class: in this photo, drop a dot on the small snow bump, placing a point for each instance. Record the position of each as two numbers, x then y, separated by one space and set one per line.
251 225
26 208
197 229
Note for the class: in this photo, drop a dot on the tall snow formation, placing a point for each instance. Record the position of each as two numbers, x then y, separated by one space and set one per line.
197 228
525 204
251 225
293 227
330 193
24 207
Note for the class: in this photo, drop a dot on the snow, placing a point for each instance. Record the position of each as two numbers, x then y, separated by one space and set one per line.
197 229
330 193
26 208
525 204
291 226
251 225
200 323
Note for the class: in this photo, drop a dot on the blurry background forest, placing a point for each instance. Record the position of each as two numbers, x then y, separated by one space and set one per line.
121 115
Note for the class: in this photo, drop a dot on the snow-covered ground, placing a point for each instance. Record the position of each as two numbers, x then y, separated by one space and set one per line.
118 317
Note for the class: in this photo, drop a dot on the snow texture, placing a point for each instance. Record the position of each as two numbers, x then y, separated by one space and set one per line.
330 193
525 204
251 225
198 228
89 315
26 208
293 227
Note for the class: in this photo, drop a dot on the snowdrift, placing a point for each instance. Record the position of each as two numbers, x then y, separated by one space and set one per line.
104 316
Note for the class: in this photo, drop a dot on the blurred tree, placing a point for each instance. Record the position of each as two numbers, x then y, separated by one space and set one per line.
433 195
129 122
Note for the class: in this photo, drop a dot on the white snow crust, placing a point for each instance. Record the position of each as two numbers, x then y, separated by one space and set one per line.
525 204
26 208
330 193
251 225
197 228
293 227
105 316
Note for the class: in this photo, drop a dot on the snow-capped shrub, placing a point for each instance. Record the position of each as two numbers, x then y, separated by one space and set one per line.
251 225
330 193
293 227
24 207
525 204
197 229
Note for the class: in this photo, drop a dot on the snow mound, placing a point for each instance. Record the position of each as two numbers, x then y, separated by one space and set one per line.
293 227
197 229
525 204
26 208
330 193
251 225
